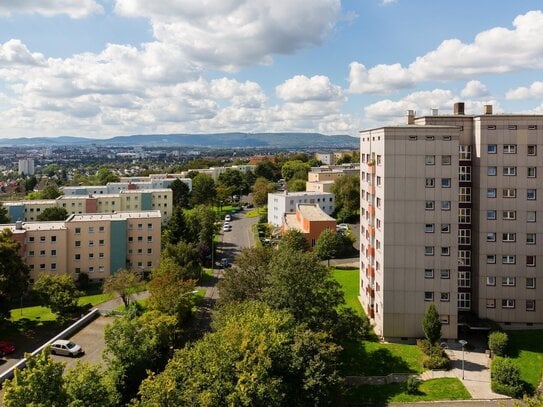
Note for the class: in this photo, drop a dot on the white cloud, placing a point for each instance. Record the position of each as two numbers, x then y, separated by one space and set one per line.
474 89
227 34
534 91
389 1
72 8
14 52
494 51
301 88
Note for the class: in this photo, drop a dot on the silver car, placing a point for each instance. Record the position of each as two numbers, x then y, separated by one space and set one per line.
66 348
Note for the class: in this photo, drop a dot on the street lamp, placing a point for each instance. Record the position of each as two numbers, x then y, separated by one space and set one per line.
463 343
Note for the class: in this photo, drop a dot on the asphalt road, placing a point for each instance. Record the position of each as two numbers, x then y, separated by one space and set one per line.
241 236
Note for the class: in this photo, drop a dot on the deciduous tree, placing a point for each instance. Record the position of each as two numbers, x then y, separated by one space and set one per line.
123 283
347 192
203 190
59 293
327 246
88 386
295 169
53 214
261 188
181 193
295 240
4 216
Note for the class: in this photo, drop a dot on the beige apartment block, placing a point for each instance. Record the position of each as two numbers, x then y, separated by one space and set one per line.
98 244
470 245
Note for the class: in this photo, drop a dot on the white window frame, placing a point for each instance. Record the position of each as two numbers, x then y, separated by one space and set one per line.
508 303
509 281
491 281
509 171
509 259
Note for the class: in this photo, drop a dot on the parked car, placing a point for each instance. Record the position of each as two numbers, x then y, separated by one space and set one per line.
228 218
342 227
66 348
6 347
227 227
225 263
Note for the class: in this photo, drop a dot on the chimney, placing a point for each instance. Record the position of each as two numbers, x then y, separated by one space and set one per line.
459 109
19 225
435 112
488 109
410 117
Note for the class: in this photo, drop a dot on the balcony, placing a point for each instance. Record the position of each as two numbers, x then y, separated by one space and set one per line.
370 272
371 210
371 169
371 251
371 189
371 231
369 312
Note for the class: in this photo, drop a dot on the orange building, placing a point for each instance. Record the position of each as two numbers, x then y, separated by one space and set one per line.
309 219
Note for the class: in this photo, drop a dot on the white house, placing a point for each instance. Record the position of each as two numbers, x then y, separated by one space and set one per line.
280 203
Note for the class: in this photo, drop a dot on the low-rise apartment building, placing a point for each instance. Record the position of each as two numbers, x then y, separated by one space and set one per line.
280 203
310 220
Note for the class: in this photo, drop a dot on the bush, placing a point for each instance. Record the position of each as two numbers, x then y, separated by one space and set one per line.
434 362
497 343
424 345
505 389
82 281
505 377
412 385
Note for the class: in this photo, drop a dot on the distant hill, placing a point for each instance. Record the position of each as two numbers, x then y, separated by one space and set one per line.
221 140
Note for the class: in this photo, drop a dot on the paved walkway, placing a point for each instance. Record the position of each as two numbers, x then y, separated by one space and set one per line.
476 372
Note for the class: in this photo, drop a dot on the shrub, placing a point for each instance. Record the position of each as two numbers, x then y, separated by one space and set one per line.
424 345
431 324
412 385
507 390
505 377
435 361
497 343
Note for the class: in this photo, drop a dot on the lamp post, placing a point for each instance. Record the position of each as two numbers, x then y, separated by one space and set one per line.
463 343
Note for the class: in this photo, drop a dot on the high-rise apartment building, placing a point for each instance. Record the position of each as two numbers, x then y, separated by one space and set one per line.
26 166
449 215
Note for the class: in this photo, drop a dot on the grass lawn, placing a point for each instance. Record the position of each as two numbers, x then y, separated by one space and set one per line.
37 313
94 299
526 349
430 390
255 213
348 278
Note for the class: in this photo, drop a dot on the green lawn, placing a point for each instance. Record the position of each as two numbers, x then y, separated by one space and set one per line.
349 280
430 390
526 348
94 299
255 213
37 313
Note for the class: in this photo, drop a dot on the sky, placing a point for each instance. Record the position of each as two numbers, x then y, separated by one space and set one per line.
102 68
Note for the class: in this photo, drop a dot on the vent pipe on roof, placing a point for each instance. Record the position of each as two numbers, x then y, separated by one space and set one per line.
435 112
19 225
488 109
459 108
410 117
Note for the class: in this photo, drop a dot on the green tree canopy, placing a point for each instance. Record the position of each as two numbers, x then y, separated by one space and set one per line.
50 192
261 188
52 214
327 245
88 386
295 240
176 229
105 175
123 283
59 293
295 169
268 170
296 185
347 192
4 216
181 193
186 258
431 324
203 190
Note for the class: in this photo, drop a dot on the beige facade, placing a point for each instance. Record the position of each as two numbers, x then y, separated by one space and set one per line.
97 244
490 227
319 186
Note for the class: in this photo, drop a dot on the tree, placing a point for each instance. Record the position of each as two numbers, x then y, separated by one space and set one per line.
171 295
296 185
52 214
295 240
201 225
268 170
123 283
14 273
88 386
50 192
40 384
247 278
4 215
181 193
105 175
187 259
431 325
59 293
176 229
203 190
30 183
261 188
347 192
327 246
233 181
295 169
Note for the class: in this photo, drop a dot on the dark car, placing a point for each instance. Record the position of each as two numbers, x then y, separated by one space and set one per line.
6 347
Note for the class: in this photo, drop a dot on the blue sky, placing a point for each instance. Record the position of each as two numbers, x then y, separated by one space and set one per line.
98 68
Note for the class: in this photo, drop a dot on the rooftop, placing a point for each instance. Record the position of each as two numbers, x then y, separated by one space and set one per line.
313 212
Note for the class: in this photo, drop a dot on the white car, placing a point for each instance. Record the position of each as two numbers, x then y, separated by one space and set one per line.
226 227
66 348
228 218
342 227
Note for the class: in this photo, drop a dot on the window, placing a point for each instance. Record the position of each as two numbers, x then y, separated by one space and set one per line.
445 160
506 303
491 171
532 127
53 238
430 159
379 159
510 149
492 149
491 215
91 229
445 297
445 274
53 266
428 296
42 238
149 251
464 300
30 253
509 281
491 193
464 215
429 228
77 256
445 182
429 205
530 261
150 225
491 127
490 303
446 251
509 215
509 237
445 228
530 238
491 280
101 242
512 127
428 273
42 266
91 242
140 238
530 194
464 236
101 255
464 279
77 231
530 305
78 243
378 184
428 250
445 205
509 193
465 152
532 149
130 238
464 194
149 239
30 239
491 237
531 172
490 259
530 282
91 269
101 229
91 255
101 269
53 253
509 171
464 257
430 182
530 216
378 202
464 173
509 259
42 252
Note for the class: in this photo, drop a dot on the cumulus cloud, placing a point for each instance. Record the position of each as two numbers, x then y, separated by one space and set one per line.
14 52
227 34
474 89
72 8
301 88
534 91
497 50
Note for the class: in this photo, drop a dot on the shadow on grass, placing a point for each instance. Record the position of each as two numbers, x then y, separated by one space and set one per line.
357 361
530 341
374 395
